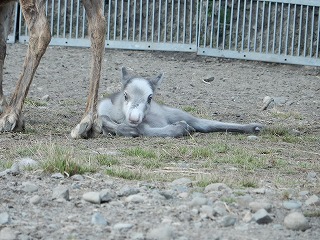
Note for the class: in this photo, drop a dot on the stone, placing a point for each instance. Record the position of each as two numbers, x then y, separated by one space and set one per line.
45 97
136 198
313 200
92 197
57 176
22 164
35 199
182 181
256 206
296 221
127 191
198 201
77 177
106 195
4 218
8 234
122 226
216 187
29 187
259 190
228 221
98 219
262 217
207 211
164 232
312 176
253 138
291 204
60 192
247 217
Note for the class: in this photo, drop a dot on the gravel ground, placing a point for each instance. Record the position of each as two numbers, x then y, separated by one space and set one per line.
38 205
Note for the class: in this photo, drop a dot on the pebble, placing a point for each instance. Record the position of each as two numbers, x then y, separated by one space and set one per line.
228 221
35 199
136 198
29 187
106 195
60 192
92 197
296 221
57 176
216 187
313 200
77 177
127 191
259 190
292 204
256 206
122 226
182 181
312 176
161 233
262 217
45 98
4 218
253 138
207 211
8 234
247 217
98 219
198 201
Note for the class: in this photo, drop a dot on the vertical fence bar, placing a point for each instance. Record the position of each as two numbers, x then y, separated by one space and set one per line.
64 19
218 26
165 22
83 22
172 15
115 20
200 21
275 27
52 17
268 28
281 26
243 25
312 28
287 32
318 34
224 24
128 20
184 21
205 26
237 27
121 19
134 20
300 29
231 27
159 21
293 29
256 28
178 22
249 25
58 20
147 19
109 20
71 17
140 22
77 18
190 23
212 23
306 33
262 24
152 26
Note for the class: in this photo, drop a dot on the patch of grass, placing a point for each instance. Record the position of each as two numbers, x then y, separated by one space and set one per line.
106 160
139 152
315 214
201 152
287 115
34 103
124 173
228 200
189 109
249 183
206 181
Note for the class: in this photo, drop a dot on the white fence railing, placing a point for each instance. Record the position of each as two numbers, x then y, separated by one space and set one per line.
286 31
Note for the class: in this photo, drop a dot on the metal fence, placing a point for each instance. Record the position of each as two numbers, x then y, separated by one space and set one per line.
284 31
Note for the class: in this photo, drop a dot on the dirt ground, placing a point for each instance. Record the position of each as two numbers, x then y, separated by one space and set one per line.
234 95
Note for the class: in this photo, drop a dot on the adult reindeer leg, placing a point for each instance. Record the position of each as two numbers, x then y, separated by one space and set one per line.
90 124
34 14
5 17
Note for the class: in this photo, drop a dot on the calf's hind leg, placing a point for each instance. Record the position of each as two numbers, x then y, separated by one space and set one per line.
90 124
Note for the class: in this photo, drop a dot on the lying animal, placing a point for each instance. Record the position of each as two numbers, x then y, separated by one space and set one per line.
132 112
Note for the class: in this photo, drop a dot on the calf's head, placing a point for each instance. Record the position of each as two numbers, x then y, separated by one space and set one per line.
137 96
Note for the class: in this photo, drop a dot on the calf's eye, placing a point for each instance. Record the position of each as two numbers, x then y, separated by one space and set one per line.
150 98
125 96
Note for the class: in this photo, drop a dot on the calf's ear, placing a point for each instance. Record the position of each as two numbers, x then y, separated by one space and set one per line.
157 80
125 75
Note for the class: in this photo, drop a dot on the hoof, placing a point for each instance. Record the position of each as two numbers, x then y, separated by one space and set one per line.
10 122
87 128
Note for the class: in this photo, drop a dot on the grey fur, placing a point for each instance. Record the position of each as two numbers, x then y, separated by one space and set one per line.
128 113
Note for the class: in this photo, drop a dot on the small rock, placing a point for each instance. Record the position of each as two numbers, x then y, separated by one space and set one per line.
291 204
92 197
29 187
182 181
253 138
303 193
247 217
198 201
207 210
60 192
216 187
122 226
313 200
127 191
259 190
57 176
98 219
161 233
22 164
312 176
106 195
45 98
262 217
136 198
4 218
137 236
77 177
35 199
228 221
296 221
256 206
8 234
167 194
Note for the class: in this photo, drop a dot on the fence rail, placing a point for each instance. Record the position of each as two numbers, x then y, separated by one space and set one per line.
285 31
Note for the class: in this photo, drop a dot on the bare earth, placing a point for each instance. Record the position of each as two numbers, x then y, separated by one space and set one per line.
234 95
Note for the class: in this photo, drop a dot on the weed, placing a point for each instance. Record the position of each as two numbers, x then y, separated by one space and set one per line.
139 152
34 103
